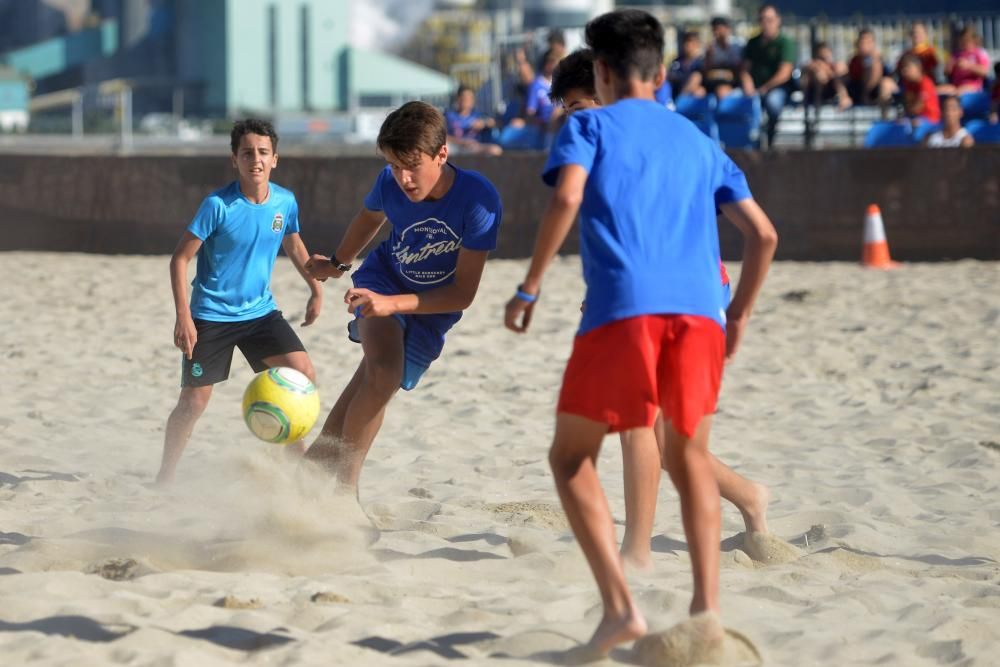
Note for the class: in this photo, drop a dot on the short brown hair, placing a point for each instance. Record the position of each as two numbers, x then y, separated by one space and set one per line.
252 126
412 129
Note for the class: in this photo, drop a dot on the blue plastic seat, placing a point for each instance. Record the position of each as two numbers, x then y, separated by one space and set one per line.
924 130
738 119
700 111
985 133
975 105
887 133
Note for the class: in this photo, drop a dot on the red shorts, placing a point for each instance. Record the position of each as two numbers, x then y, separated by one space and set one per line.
623 372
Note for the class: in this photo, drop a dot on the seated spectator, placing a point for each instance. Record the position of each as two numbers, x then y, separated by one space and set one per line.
920 98
723 59
865 70
821 79
921 47
768 61
951 134
968 66
573 82
538 108
467 127
684 74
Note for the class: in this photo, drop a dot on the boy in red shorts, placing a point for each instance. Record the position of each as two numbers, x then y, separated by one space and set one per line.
656 330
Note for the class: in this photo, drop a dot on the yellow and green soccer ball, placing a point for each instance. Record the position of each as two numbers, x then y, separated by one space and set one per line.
280 405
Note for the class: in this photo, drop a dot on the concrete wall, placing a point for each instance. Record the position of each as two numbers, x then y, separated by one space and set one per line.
937 205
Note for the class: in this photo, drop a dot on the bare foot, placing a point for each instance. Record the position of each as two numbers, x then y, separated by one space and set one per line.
617 629
755 513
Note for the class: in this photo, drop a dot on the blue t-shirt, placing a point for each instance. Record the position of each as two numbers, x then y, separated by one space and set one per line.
538 101
240 241
459 125
648 232
422 249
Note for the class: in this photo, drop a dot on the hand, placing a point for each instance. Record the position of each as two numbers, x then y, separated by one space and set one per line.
320 268
845 102
369 304
519 309
185 334
735 328
313 306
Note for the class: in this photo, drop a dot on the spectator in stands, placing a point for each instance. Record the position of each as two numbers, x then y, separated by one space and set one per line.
467 127
538 107
822 79
951 134
865 69
920 97
556 40
968 66
723 59
685 75
573 82
921 47
768 61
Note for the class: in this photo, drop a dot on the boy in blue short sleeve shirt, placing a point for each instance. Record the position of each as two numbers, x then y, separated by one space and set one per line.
413 287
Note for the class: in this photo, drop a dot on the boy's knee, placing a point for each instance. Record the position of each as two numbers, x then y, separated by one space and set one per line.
563 460
382 376
193 403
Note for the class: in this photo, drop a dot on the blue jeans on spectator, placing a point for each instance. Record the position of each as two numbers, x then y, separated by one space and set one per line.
773 102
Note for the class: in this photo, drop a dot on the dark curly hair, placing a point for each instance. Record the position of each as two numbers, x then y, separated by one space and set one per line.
252 126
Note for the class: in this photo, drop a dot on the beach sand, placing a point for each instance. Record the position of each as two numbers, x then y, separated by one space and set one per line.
869 403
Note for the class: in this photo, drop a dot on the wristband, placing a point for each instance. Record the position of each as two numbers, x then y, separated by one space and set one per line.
340 266
524 296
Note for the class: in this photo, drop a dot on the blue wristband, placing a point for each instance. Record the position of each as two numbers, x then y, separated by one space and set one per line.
524 296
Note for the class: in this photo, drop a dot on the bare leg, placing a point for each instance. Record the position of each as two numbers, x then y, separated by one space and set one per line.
299 361
689 465
750 498
180 424
361 408
641 464
573 459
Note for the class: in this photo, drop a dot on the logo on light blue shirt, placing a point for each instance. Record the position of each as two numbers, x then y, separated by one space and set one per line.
425 252
277 223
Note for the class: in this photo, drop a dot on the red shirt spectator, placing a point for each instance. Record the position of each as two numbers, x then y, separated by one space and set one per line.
922 99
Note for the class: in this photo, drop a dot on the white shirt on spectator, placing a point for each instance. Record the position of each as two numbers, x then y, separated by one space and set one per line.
938 140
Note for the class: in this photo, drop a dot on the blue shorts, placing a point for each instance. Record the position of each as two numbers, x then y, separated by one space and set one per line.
423 335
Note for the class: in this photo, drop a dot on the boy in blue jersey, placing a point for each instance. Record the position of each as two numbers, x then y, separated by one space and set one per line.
414 286
573 88
646 183
236 235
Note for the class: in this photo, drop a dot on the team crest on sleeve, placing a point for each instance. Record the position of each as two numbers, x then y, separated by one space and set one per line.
426 252
278 223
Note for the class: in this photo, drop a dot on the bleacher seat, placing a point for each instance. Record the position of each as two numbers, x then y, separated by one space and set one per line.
887 133
984 133
924 130
527 137
700 111
975 105
738 119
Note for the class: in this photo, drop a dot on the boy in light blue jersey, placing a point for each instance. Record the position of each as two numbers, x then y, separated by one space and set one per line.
236 235
414 286
646 184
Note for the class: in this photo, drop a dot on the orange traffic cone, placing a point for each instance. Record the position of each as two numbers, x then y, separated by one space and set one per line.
875 254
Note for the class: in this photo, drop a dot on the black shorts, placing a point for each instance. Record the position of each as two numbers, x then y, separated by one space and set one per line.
257 339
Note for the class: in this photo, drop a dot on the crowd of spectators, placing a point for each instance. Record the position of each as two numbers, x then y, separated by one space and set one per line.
922 87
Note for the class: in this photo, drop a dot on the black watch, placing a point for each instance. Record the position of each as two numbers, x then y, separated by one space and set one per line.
337 264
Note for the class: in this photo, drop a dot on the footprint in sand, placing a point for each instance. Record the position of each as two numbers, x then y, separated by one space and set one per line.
699 641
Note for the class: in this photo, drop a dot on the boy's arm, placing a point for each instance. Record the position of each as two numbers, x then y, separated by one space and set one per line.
457 295
296 251
185 333
759 242
556 223
359 234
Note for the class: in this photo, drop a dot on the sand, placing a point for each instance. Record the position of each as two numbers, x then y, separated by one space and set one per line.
868 402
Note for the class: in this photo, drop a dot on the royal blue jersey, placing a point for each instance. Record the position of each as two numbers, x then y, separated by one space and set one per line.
422 249
240 241
648 232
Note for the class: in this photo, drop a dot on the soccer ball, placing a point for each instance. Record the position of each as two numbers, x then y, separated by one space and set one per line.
280 405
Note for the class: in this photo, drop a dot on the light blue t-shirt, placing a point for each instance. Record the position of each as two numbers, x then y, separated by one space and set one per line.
240 241
422 249
648 232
